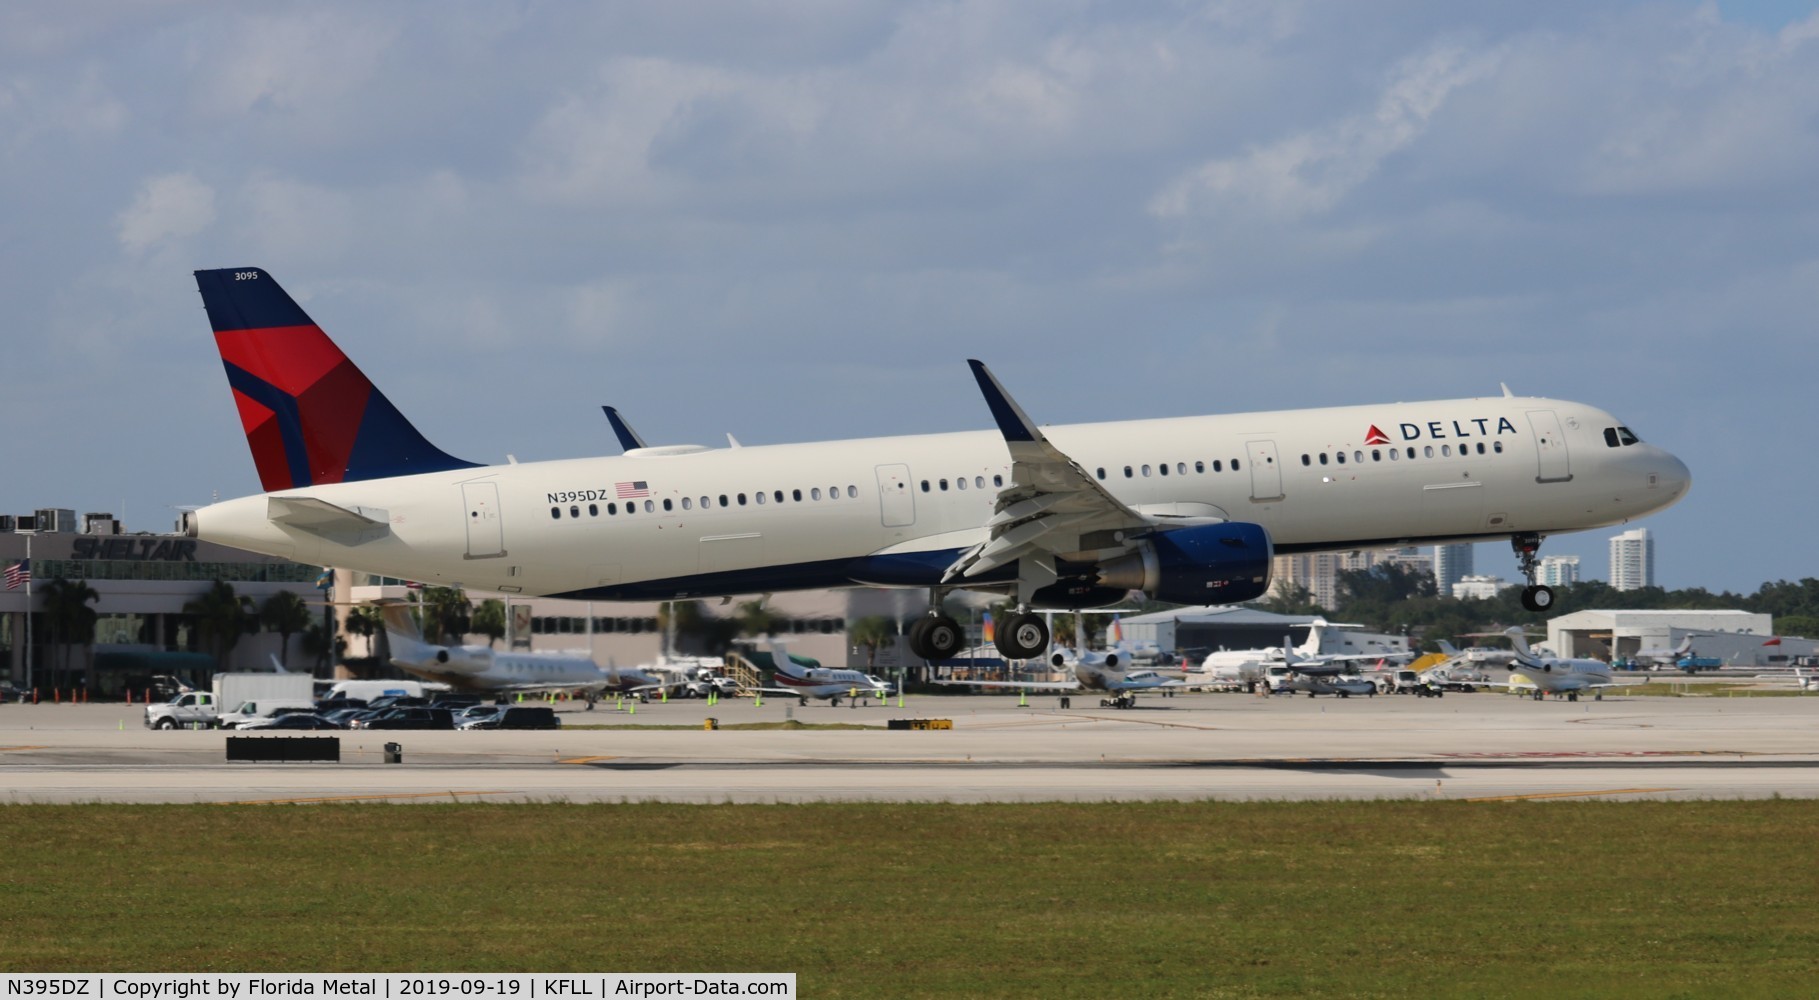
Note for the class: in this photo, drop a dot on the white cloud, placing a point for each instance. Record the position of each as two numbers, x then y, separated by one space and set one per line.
169 207
1311 171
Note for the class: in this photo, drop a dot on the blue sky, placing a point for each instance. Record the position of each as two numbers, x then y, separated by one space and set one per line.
794 221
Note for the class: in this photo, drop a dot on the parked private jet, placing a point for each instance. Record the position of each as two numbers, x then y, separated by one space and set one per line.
481 668
1188 510
806 679
1552 674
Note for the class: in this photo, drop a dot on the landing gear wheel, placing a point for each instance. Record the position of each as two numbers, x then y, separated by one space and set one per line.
1539 598
1023 637
936 637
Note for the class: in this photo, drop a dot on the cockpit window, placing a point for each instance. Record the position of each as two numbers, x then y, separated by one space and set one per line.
1610 437
1627 436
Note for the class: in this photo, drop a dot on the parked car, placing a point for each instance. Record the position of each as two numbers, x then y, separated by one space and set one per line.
408 718
295 720
516 717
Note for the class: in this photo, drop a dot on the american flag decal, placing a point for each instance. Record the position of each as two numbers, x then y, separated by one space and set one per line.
632 490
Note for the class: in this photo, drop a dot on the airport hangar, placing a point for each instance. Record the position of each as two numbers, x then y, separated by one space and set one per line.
1739 638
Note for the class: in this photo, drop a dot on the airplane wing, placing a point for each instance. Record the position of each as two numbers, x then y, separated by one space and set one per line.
1050 502
1017 685
1146 684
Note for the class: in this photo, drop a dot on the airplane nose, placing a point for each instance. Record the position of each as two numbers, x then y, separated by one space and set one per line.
1674 476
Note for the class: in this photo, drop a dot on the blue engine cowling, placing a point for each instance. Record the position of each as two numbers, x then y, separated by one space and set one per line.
1205 564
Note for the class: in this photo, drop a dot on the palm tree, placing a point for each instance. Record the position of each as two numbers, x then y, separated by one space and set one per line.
285 614
367 623
873 632
447 614
222 617
489 620
72 621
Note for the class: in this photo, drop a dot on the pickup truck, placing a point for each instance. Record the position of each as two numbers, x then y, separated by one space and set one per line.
188 710
705 684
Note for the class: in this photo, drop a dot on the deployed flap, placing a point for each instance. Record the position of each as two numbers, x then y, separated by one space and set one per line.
1050 502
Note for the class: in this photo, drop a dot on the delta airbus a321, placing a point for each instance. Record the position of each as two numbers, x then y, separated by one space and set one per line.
1187 510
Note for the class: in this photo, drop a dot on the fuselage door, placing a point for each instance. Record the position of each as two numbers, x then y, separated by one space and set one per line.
1266 475
895 498
1550 448
485 529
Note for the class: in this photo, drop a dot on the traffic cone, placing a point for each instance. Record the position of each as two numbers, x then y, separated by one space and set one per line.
1023 699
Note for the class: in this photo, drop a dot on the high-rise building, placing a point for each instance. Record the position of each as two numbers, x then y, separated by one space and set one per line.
1633 560
1557 571
1452 563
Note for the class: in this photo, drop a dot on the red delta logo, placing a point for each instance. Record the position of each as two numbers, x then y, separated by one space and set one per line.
1376 436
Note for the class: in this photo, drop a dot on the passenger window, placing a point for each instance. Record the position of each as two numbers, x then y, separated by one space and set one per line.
612 508
759 497
944 486
574 512
1411 452
1163 468
741 499
796 495
815 494
1358 456
1394 454
1200 468
1234 465
1339 456
667 505
686 505
1180 468
1427 451
593 510
1497 446
925 486
1323 458
649 507
1446 451
1146 472
723 500
1127 472
1218 466
1376 455
777 495
999 481
555 513
1305 460
706 502
961 482
852 491
1101 471
979 482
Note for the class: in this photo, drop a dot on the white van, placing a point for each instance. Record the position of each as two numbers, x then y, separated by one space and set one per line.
368 690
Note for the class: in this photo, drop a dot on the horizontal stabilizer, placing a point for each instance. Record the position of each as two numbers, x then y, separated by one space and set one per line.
349 524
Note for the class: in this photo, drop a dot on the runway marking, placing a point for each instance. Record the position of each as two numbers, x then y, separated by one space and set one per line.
1568 795
358 798
587 760
7 749
1145 722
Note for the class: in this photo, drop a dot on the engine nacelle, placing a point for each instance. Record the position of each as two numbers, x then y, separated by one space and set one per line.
1206 564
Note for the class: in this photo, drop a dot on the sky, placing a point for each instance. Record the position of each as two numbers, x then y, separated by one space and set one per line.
795 220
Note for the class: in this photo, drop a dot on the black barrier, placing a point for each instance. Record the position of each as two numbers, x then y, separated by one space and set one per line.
919 724
284 748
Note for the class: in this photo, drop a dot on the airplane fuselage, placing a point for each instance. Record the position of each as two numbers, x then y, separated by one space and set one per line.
677 523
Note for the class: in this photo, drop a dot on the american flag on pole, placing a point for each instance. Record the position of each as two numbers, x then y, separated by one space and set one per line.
18 573
633 490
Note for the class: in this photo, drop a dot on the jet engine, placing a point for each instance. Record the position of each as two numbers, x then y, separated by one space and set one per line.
1205 564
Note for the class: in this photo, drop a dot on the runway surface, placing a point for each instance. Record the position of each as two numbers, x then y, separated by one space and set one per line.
1480 746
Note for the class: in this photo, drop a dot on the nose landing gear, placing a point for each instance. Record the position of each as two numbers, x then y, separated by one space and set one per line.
1535 597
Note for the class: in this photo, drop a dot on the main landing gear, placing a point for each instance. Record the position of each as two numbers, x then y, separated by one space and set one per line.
1535 597
1022 636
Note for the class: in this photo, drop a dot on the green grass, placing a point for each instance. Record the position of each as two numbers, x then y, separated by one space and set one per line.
1647 899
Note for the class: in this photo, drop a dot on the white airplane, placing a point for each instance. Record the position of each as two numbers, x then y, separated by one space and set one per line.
1188 510
1292 673
805 682
1249 666
1554 675
1093 671
481 668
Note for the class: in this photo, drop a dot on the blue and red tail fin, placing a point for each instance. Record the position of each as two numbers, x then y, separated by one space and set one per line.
310 415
